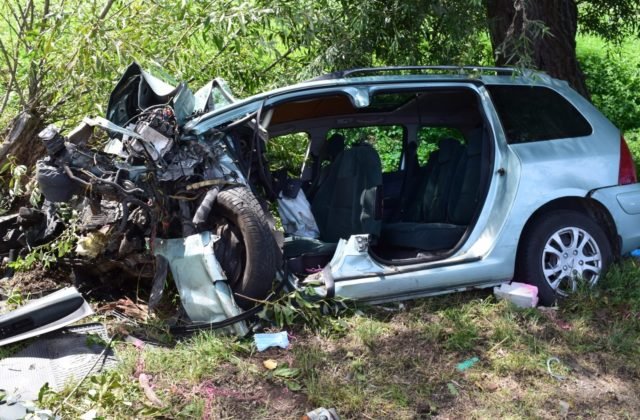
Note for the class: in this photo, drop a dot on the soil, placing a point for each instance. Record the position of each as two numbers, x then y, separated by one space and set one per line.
37 282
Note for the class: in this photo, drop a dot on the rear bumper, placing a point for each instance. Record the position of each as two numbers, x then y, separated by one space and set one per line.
623 202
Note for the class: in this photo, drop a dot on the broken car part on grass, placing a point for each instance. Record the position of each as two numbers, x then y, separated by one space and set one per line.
415 181
43 315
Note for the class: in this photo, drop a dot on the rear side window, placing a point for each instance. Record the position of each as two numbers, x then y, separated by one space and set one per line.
530 113
388 141
429 137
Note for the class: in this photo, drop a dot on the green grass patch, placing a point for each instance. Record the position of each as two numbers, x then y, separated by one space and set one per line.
401 364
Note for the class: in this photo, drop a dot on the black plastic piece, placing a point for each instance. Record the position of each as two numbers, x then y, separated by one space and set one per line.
52 140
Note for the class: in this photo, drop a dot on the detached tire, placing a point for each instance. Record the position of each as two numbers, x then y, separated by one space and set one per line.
562 248
247 250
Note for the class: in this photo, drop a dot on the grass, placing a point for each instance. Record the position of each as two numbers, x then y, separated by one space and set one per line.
400 364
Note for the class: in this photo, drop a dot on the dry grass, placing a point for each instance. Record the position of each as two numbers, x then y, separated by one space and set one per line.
402 364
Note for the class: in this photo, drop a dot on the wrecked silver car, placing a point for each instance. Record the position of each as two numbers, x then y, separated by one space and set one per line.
482 178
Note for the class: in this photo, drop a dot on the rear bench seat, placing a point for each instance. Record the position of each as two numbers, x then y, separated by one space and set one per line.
442 205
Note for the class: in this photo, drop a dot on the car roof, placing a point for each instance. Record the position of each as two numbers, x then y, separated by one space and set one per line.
404 74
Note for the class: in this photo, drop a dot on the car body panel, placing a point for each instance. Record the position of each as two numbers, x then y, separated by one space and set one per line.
627 224
524 178
630 202
428 281
251 104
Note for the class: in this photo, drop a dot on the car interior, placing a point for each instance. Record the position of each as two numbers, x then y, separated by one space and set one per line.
411 170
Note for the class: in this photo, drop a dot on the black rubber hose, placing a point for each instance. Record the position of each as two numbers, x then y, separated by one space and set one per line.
204 209
190 329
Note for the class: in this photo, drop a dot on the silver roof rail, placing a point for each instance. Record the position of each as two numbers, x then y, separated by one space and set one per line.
464 70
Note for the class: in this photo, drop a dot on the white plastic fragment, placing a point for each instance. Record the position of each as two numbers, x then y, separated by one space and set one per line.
296 215
520 294
265 340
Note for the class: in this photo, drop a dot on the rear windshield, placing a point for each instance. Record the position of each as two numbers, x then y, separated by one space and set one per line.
534 113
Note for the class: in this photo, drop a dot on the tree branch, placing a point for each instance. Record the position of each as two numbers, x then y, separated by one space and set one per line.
105 10
13 72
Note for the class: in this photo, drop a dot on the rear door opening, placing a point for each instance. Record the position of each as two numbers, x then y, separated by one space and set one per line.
411 170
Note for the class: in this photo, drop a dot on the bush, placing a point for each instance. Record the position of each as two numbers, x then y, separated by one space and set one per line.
613 78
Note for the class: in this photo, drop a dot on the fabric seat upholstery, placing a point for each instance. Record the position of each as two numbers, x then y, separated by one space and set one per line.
449 202
428 202
345 203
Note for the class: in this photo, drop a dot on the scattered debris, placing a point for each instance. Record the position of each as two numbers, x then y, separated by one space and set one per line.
461 367
520 294
43 315
393 307
452 389
270 364
322 414
56 359
564 408
201 282
265 340
554 375
89 415
128 308
145 384
11 411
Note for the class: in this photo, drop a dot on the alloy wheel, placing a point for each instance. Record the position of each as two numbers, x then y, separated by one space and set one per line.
571 255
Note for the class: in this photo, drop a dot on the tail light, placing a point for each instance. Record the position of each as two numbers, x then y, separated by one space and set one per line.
627 172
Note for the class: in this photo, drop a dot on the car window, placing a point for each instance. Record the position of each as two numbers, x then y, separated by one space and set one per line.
533 113
428 138
288 152
387 140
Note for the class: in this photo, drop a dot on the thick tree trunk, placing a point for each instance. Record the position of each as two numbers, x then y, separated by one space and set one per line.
22 140
510 21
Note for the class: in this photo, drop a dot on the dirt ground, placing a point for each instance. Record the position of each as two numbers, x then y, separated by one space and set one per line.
38 282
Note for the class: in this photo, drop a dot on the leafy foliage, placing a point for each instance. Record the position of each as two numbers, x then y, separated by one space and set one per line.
47 254
613 77
63 57
308 308
613 20
288 152
14 186
108 392
387 140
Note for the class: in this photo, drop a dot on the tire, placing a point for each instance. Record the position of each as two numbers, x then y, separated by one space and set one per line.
561 249
247 250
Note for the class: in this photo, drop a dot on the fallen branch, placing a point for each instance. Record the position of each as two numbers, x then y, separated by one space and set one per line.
145 384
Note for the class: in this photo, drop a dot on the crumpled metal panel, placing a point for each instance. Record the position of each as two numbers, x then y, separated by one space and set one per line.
57 359
352 259
202 285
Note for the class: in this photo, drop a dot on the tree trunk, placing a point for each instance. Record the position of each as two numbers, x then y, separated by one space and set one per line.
22 140
515 30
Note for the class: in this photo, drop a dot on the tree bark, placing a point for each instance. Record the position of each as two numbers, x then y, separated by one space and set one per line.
21 140
514 28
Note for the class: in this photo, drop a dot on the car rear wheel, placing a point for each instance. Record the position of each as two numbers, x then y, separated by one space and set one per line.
561 251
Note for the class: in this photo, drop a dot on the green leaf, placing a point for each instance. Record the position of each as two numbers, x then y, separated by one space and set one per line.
286 372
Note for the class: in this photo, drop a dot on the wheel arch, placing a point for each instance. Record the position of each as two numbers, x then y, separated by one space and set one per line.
592 208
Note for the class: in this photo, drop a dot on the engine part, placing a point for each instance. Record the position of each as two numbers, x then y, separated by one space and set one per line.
55 184
204 209
52 140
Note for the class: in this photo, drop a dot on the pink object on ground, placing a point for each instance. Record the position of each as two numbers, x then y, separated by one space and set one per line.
522 295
